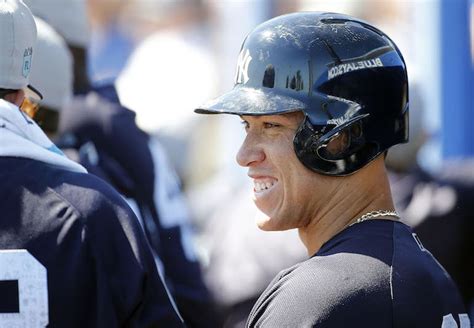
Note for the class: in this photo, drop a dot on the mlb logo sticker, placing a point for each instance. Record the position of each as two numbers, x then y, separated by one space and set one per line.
27 56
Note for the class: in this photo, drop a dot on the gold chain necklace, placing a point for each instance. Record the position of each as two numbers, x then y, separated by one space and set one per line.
375 214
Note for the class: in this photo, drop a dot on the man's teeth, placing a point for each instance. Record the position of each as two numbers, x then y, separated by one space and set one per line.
260 186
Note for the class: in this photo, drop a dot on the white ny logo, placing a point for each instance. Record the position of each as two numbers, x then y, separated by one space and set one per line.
243 66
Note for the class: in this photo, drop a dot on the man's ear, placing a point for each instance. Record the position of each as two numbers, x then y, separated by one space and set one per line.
15 97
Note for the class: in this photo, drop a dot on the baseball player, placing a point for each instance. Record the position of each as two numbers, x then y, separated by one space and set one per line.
72 253
322 97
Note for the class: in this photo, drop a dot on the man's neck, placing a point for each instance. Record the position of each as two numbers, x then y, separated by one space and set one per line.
365 192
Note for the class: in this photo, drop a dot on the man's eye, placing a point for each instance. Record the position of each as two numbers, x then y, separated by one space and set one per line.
245 124
268 125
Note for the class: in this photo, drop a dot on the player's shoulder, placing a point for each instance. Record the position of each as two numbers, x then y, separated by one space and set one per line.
339 274
319 291
340 280
89 196
339 271
45 188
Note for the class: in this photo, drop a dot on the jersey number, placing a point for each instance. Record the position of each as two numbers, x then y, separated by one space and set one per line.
24 289
449 322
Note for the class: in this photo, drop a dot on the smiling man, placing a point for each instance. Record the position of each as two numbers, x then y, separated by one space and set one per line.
323 97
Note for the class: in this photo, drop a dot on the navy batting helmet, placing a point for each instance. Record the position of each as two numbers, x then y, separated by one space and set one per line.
346 76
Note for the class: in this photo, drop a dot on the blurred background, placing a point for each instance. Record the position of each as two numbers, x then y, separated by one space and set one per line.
166 57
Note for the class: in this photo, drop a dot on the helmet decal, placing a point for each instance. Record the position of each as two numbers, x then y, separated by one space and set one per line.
349 67
243 62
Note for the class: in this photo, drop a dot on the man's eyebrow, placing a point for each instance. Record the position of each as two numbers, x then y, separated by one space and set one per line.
289 118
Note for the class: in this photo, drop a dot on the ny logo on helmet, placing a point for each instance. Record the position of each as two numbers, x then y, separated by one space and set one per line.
243 67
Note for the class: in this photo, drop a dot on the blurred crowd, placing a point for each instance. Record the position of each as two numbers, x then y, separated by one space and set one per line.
123 97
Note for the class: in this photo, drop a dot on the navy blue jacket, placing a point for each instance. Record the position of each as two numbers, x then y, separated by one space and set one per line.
100 269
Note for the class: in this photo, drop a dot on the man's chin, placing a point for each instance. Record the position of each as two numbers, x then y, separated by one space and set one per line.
263 221
267 223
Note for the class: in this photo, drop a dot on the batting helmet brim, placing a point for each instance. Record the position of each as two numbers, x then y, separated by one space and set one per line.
250 101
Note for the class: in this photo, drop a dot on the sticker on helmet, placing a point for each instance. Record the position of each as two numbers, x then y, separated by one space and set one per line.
348 115
243 67
348 67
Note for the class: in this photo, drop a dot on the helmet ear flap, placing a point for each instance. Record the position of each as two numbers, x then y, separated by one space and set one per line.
346 140
305 142
333 150
336 146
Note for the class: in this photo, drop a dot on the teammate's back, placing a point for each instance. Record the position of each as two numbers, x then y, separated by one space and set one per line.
100 272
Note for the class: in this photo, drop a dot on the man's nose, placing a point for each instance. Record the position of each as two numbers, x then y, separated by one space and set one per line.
250 152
